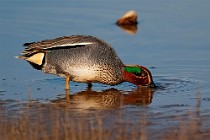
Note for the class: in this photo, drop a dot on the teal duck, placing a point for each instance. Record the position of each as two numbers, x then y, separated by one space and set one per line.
82 58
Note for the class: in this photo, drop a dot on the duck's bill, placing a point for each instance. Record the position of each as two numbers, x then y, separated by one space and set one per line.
152 85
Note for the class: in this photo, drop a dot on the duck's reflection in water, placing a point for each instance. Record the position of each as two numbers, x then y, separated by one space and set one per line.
110 98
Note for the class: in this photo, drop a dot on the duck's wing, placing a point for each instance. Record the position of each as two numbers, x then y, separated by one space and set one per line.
61 42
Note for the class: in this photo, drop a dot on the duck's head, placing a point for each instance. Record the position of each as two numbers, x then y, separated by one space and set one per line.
138 75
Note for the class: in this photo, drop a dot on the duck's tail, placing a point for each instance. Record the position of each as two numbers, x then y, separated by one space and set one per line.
36 58
21 57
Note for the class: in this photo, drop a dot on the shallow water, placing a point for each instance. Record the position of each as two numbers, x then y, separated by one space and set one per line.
172 40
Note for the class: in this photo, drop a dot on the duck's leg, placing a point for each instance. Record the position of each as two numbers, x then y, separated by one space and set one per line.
89 85
67 89
67 83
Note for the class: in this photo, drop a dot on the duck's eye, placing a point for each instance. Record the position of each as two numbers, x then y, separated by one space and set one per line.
138 73
141 73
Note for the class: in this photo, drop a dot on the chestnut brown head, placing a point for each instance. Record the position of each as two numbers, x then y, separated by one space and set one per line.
138 75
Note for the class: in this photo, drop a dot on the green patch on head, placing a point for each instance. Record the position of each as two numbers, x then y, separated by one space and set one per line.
133 69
